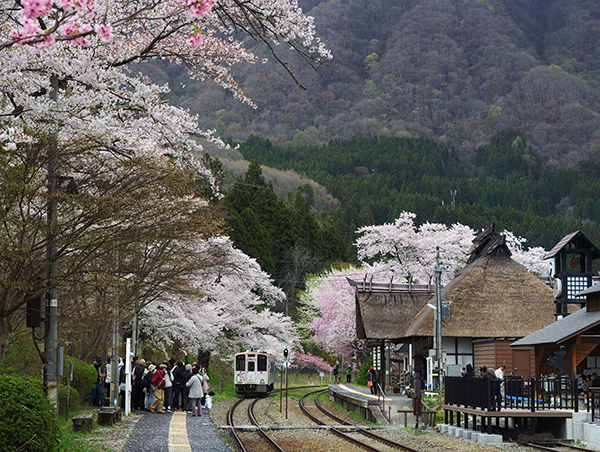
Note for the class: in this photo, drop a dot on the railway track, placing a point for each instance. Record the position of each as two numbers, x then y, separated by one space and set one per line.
233 429
259 430
559 447
358 429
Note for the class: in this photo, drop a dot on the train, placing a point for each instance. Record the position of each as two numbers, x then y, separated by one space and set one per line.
254 373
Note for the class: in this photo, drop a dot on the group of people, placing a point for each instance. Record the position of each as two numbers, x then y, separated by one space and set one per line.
159 387
496 377
587 381
337 376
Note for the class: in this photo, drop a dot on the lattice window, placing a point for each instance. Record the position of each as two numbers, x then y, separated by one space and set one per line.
576 284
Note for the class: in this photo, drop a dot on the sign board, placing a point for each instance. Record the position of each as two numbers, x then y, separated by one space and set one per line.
377 358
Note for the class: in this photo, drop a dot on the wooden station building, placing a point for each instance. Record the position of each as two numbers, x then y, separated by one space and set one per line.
493 301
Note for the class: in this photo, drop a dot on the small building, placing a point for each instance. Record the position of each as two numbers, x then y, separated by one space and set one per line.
573 256
493 301
569 346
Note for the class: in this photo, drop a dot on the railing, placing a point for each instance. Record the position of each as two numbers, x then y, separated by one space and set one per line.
593 402
531 394
382 401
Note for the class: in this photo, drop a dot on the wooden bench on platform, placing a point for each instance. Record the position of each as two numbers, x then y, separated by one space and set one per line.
109 415
83 422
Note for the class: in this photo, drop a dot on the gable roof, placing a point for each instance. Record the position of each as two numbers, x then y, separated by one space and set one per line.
493 297
383 310
563 329
579 239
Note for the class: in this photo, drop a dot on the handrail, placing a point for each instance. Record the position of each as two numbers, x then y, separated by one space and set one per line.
381 401
532 394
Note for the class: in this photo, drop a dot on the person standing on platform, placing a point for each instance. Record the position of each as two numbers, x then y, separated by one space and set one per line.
348 374
98 391
195 392
500 376
372 383
137 390
158 383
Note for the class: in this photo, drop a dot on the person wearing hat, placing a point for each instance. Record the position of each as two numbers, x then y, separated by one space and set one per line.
372 383
158 383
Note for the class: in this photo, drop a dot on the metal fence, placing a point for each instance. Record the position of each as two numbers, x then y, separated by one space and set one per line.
530 394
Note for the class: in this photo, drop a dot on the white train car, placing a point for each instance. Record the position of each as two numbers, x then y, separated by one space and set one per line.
254 373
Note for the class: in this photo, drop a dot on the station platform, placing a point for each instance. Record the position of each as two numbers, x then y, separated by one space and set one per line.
395 409
175 432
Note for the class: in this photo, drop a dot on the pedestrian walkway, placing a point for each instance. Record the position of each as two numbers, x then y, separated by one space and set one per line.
176 432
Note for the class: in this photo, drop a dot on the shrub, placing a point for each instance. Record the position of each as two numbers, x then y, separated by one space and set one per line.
28 419
74 400
84 378
361 378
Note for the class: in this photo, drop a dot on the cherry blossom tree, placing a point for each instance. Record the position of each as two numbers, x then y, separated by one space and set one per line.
310 362
64 80
530 257
328 311
401 250
228 308
408 252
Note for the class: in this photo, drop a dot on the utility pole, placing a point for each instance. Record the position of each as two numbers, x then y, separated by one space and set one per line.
438 312
114 360
50 378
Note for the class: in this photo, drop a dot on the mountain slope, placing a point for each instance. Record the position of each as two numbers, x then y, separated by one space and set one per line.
454 70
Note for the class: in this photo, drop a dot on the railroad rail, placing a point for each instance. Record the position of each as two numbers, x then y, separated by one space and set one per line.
556 447
343 435
260 430
253 420
363 431
230 423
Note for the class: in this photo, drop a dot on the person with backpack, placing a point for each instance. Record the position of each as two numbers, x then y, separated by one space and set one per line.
147 385
169 386
158 384
179 382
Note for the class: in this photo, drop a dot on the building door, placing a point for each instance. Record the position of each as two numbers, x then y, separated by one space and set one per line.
522 363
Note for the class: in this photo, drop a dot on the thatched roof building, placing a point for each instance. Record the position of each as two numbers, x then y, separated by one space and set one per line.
492 297
384 310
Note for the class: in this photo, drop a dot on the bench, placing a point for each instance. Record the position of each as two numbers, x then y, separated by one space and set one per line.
109 415
83 422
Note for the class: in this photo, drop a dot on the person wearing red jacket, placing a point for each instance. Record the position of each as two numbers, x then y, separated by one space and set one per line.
158 382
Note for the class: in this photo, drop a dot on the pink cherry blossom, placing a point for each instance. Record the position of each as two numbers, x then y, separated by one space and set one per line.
32 9
105 31
195 40
49 41
199 7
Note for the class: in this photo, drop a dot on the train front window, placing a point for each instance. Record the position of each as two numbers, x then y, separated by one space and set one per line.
262 363
240 363
250 366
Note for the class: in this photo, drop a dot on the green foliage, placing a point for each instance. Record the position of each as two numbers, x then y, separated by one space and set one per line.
74 400
84 378
22 358
376 179
28 423
361 377
286 238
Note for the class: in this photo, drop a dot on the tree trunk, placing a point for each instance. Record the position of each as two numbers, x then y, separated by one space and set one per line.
4 336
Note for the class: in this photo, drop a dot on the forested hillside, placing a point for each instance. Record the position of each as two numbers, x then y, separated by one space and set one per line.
456 71
376 179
